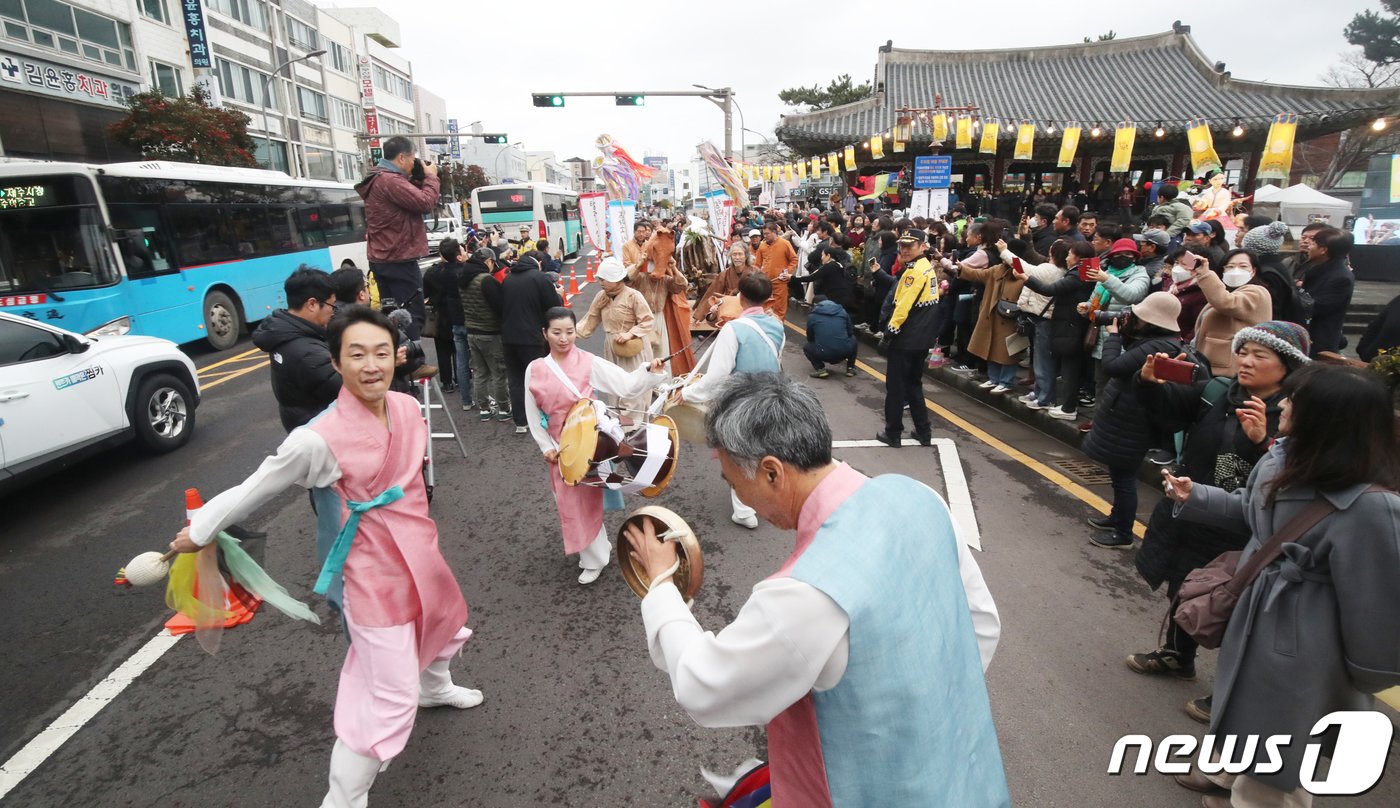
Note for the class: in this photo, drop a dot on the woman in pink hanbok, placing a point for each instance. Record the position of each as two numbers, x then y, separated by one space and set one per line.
552 386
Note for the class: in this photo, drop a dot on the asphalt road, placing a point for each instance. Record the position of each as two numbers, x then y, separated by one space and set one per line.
575 714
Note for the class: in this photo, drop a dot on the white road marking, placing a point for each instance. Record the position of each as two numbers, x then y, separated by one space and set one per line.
954 481
34 753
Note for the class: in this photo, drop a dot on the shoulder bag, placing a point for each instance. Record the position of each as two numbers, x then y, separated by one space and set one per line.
1208 596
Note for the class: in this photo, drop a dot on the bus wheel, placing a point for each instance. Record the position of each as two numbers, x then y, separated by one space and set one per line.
222 324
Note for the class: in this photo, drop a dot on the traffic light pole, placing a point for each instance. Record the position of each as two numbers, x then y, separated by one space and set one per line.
722 97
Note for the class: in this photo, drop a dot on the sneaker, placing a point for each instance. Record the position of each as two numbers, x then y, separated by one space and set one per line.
1086 400
959 367
1199 709
889 440
1162 457
1000 390
449 388
588 576
1063 414
820 374
1036 405
1101 522
988 384
850 373
505 416
1087 426
484 415
1112 541
1162 663
1027 398
522 430
749 522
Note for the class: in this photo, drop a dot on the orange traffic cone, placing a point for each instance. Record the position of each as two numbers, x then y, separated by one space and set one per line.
573 281
242 603
588 278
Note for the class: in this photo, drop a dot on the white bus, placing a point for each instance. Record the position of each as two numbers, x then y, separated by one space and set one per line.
550 211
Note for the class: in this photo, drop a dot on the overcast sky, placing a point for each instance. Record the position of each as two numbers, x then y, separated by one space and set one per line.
486 58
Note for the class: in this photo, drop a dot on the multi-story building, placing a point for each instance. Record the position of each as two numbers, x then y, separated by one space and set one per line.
580 174
432 117
541 166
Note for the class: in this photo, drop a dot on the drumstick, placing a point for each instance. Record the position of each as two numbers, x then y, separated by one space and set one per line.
688 346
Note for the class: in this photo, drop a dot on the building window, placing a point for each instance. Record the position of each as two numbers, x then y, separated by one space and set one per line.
166 79
346 115
243 83
252 13
302 35
349 166
393 126
392 83
320 163
155 9
313 105
279 154
342 59
59 26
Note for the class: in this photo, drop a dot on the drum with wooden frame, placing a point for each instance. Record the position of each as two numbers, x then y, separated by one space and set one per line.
589 455
669 527
688 417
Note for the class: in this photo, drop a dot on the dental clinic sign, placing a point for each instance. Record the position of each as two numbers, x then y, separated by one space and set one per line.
62 81
1356 765
192 14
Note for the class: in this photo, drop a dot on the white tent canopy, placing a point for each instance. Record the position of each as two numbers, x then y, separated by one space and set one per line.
1266 192
1297 205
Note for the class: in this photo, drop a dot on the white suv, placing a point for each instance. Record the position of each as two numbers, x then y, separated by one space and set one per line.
64 396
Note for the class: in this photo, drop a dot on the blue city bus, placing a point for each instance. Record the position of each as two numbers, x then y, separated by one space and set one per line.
549 211
172 250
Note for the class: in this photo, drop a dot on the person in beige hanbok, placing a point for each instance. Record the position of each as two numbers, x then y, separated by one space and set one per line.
625 317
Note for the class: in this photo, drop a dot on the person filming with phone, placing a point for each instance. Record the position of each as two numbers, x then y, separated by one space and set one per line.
1230 424
1235 299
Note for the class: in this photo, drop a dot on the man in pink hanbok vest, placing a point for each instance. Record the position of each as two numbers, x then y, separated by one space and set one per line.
403 610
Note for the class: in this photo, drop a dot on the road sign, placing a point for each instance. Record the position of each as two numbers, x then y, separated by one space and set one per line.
933 171
376 154
456 148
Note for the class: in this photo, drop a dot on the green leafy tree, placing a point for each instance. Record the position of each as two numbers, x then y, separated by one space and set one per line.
665 204
184 129
839 91
1108 37
1378 35
458 181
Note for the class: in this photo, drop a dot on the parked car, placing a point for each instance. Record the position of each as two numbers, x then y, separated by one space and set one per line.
64 396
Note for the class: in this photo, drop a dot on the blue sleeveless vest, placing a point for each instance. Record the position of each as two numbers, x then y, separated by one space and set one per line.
910 722
754 355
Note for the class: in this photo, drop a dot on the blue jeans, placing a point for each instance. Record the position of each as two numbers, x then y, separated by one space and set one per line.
463 360
1002 374
1045 363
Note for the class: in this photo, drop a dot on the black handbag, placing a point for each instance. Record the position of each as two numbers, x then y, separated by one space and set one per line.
1007 309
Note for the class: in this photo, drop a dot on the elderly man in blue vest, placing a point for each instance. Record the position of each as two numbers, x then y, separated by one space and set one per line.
751 343
864 652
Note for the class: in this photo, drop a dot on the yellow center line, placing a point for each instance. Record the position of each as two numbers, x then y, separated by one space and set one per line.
229 360
1083 494
231 376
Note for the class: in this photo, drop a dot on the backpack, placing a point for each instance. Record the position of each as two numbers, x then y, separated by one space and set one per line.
1294 303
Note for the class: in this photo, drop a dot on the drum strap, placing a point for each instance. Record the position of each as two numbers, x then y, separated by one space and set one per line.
766 338
558 371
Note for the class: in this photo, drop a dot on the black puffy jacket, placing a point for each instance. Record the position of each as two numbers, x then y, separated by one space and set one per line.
1067 326
303 379
525 296
1122 431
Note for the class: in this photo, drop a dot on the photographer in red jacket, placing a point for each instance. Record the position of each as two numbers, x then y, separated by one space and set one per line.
395 201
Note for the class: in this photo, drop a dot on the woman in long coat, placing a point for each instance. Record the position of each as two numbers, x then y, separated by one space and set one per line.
989 336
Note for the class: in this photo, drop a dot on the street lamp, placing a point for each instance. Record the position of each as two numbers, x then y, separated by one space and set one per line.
502 152
266 80
727 94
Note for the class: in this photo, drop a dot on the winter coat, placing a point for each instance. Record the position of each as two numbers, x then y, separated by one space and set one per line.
1122 433
1227 311
829 326
1192 300
1216 452
394 209
1122 293
1330 284
525 296
1383 332
1275 275
1043 237
1178 213
989 336
831 279
440 289
481 300
1319 630
303 380
1067 327
1032 302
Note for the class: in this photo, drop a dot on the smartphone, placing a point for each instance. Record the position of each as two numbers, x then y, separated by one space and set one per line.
1016 264
1174 370
1188 261
1088 265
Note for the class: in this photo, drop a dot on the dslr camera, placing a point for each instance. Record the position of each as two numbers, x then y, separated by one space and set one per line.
1121 317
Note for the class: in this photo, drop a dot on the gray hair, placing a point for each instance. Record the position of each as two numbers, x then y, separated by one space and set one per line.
755 415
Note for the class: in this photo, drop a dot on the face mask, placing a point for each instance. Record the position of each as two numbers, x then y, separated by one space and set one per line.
1235 278
1034 222
1120 261
1180 275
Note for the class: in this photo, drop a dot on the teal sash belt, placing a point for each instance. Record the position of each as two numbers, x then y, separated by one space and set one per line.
340 548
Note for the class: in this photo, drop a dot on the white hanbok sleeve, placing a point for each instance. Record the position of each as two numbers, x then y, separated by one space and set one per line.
717 368
608 378
986 622
788 639
534 416
303 459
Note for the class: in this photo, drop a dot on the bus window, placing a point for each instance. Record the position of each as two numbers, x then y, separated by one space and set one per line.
338 222
553 208
141 239
200 238
281 229
51 237
309 226
506 200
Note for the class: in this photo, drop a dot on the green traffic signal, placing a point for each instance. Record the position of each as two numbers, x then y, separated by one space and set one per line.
548 100
630 100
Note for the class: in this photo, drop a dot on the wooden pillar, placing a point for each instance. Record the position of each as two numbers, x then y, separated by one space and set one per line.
1250 171
1086 170
998 174
1178 164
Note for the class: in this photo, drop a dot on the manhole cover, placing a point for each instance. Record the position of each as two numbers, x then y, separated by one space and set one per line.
1085 472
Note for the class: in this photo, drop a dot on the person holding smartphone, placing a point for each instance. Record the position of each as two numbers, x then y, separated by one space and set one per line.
1229 425
1235 299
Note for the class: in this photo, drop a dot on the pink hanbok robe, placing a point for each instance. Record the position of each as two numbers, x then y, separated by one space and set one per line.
580 507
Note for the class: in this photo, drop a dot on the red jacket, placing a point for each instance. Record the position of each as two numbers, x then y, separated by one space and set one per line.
394 209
